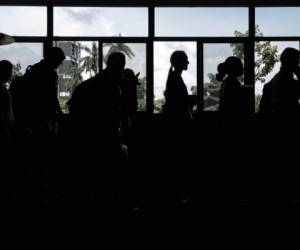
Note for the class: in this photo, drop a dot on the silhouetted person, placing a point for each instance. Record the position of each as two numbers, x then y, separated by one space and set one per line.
38 112
6 112
231 116
178 110
280 112
95 113
231 107
279 106
6 131
178 103
35 98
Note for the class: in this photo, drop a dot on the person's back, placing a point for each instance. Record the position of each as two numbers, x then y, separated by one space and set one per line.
94 104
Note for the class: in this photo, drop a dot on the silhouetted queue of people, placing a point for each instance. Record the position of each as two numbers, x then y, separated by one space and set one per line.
99 129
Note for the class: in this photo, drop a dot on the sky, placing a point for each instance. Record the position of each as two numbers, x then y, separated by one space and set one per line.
31 21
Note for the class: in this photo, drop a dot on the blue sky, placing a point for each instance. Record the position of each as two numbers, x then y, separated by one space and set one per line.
31 21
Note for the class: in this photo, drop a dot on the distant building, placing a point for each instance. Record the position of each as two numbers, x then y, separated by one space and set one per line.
72 53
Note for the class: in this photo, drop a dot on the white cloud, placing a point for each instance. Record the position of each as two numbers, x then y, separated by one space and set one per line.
81 22
23 21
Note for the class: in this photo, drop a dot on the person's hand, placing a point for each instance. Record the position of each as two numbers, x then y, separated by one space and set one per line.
297 73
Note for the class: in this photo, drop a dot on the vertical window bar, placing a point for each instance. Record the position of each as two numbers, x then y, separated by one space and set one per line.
149 60
50 20
100 55
200 77
251 54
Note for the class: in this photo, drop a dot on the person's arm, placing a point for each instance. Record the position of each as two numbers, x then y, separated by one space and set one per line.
297 73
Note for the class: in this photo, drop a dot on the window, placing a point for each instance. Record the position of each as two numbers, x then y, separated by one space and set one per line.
135 60
285 19
95 21
162 53
266 69
80 64
176 27
214 54
22 55
200 21
23 21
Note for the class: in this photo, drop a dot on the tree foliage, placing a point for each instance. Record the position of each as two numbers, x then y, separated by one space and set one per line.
17 70
118 47
266 58
89 63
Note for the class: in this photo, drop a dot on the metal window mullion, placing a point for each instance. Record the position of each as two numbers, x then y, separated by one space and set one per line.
100 55
200 77
49 41
150 61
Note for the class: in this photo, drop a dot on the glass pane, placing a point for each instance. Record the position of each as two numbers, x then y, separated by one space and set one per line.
213 55
200 21
267 64
94 21
23 21
80 64
22 55
285 20
135 60
162 53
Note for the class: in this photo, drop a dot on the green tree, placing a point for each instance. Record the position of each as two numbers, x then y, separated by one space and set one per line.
76 76
257 102
118 47
266 58
266 54
89 63
141 92
17 70
158 105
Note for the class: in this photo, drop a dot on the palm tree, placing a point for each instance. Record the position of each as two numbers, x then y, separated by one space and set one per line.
90 61
75 74
118 47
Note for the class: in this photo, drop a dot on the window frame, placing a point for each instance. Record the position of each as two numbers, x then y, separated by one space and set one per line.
151 38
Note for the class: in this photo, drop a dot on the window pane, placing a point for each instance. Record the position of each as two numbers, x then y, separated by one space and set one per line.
22 55
80 64
285 20
200 21
264 68
135 60
213 55
94 21
23 21
162 53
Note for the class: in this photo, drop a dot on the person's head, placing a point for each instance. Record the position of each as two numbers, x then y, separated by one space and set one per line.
116 63
232 67
179 60
290 58
6 69
55 57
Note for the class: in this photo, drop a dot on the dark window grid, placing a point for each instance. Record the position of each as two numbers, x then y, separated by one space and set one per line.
249 41
157 3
